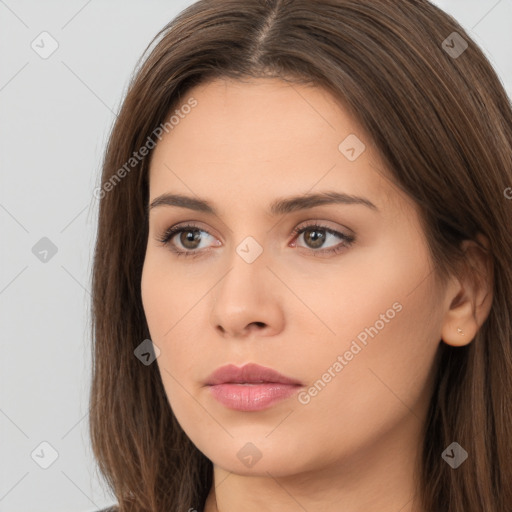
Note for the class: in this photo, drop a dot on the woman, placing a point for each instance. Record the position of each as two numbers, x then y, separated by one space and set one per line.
302 288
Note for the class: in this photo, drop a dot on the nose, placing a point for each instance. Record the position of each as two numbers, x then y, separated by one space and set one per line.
248 300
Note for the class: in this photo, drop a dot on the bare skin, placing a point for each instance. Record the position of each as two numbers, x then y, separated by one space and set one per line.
353 444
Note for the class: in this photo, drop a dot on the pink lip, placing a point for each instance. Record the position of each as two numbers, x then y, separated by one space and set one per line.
251 387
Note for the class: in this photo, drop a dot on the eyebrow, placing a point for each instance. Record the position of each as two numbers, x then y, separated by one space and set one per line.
278 207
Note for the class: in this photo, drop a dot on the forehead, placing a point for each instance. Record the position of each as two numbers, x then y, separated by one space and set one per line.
265 138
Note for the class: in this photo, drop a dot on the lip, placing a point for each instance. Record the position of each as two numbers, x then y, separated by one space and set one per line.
251 387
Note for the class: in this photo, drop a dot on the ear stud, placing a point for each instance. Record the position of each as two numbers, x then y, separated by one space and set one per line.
460 331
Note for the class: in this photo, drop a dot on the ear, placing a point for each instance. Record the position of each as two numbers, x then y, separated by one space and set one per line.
469 296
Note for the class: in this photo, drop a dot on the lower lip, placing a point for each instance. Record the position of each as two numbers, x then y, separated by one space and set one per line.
252 397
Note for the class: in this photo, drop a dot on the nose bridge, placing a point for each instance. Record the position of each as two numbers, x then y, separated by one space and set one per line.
247 272
250 250
244 295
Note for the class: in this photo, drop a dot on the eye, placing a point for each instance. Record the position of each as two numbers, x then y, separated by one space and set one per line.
189 239
316 235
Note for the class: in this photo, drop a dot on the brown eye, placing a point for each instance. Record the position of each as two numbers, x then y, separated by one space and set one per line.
185 240
190 239
314 237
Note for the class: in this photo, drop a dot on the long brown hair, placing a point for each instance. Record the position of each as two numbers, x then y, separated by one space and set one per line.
442 122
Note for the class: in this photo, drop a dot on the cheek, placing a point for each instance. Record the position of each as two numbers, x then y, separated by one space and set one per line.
383 386
165 295
167 305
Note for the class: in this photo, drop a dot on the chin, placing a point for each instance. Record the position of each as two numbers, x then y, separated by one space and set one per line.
259 457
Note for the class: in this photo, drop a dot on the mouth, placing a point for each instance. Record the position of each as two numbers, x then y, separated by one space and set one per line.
251 387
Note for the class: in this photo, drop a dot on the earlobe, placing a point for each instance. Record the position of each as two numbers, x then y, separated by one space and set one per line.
459 327
470 298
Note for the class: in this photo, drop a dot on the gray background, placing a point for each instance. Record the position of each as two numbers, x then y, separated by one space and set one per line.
56 114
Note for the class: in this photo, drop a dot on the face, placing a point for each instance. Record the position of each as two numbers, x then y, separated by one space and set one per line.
334 293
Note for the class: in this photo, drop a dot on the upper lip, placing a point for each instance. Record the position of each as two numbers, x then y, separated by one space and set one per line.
248 374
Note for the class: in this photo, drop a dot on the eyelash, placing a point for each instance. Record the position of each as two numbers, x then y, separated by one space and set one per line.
170 233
